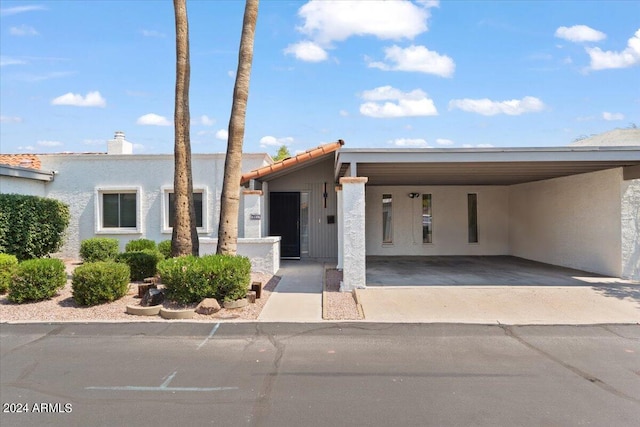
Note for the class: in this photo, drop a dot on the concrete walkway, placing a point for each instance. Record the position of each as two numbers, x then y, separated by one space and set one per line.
298 296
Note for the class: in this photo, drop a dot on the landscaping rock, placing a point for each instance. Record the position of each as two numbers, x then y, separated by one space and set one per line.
208 306
242 302
152 297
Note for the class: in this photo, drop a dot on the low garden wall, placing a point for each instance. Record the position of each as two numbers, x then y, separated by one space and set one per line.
264 252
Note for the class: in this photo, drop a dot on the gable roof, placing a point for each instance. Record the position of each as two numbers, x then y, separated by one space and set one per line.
30 161
291 163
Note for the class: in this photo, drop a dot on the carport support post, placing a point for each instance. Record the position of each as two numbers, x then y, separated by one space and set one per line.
340 229
353 235
252 218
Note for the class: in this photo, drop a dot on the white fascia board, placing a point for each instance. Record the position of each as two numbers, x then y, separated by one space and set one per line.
27 173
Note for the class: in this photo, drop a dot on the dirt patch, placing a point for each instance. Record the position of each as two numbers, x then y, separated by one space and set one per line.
338 305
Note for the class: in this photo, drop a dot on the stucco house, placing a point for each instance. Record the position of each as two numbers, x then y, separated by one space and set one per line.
576 206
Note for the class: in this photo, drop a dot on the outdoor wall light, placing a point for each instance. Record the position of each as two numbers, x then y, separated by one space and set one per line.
413 195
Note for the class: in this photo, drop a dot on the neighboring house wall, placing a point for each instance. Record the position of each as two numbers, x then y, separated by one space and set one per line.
571 221
82 178
630 219
449 219
323 238
10 184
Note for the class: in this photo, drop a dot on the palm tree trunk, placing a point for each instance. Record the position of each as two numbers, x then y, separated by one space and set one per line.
184 240
230 199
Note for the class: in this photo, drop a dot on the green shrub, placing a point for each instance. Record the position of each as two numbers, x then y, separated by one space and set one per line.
165 248
142 263
190 279
8 267
140 245
37 279
31 226
99 282
99 249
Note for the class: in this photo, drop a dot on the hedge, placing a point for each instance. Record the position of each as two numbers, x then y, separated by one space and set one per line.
165 248
8 267
143 264
100 282
37 279
140 245
99 249
31 226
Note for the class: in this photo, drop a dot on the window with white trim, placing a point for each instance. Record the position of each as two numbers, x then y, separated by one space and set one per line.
118 210
199 204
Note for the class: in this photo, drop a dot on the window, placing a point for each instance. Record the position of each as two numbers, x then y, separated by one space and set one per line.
387 219
472 206
427 224
197 204
118 210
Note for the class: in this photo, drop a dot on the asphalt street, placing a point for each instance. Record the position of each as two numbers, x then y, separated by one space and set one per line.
340 374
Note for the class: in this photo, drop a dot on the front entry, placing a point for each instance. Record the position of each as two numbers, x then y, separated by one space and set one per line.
284 221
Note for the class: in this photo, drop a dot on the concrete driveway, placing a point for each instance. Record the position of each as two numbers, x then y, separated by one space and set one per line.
493 290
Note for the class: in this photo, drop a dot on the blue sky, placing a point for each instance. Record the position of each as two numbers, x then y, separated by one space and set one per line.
374 73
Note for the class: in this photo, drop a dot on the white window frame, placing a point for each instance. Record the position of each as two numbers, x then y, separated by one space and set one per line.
99 192
165 229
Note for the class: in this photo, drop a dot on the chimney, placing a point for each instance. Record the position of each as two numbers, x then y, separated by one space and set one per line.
118 145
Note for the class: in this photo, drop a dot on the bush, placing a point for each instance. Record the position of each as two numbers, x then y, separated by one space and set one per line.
165 248
140 245
31 226
141 263
190 279
37 279
99 282
8 267
99 249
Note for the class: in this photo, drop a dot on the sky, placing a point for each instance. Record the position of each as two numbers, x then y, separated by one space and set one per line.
377 74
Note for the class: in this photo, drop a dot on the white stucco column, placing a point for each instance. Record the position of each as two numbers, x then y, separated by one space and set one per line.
252 213
353 235
340 228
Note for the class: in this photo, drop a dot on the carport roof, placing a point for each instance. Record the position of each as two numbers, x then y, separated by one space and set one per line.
479 166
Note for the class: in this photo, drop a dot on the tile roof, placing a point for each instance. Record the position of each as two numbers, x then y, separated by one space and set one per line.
289 162
30 161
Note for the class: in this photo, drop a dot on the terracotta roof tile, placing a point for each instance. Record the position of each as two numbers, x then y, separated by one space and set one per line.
292 161
30 161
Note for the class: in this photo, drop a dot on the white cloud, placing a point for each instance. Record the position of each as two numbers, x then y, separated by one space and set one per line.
23 30
26 148
442 141
612 116
399 104
45 143
222 134
152 33
8 119
408 142
92 99
205 120
307 51
602 60
416 58
344 113
20 9
580 33
326 21
478 145
266 141
7 60
152 119
487 107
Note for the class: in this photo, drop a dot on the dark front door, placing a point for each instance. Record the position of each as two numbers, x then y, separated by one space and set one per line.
284 221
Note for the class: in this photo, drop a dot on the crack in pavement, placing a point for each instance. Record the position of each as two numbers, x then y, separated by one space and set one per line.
585 375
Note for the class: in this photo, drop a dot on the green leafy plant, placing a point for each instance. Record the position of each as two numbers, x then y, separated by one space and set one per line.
8 267
143 263
190 279
140 245
100 282
99 249
31 226
37 279
165 248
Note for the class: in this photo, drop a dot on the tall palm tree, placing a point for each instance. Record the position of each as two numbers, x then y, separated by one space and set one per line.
184 240
230 199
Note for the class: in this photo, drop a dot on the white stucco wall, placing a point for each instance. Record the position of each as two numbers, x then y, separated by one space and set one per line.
31 187
450 222
264 252
572 221
80 176
630 224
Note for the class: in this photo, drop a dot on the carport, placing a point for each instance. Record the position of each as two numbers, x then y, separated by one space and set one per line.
538 208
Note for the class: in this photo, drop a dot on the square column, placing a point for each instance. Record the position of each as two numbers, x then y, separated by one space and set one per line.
340 228
353 233
252 213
